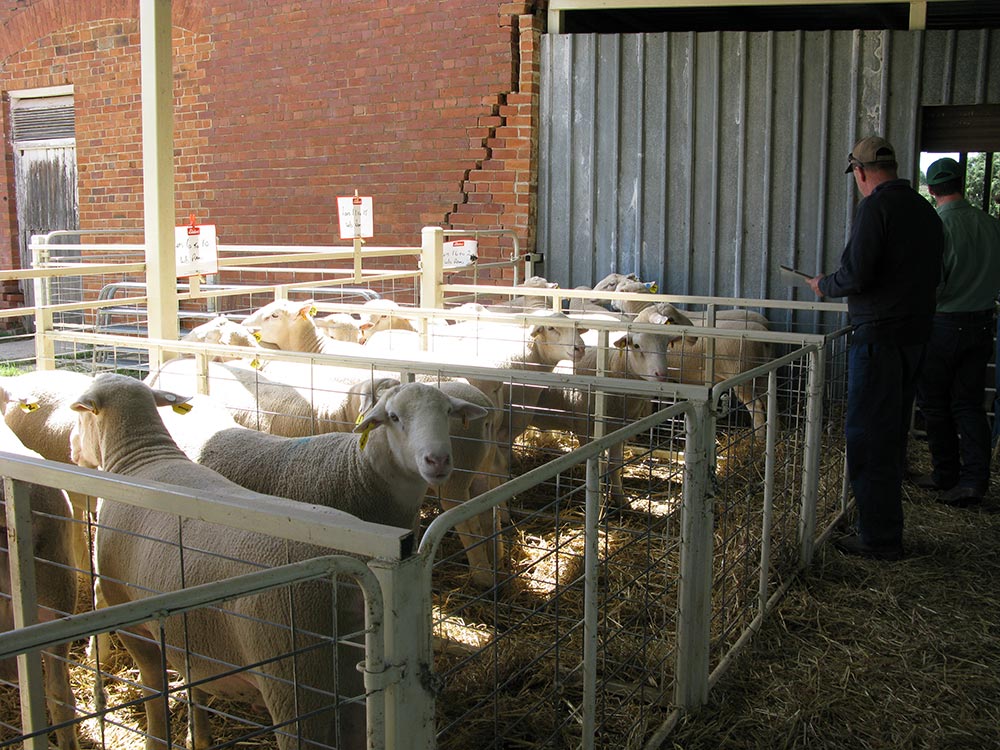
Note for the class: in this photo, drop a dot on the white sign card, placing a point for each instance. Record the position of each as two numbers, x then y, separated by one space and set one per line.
357 218
459 253
196 249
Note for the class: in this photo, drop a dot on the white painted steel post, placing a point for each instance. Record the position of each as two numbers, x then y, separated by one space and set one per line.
409 687
695 593
591 601
25 603
45 349
813 450
431 267
155 34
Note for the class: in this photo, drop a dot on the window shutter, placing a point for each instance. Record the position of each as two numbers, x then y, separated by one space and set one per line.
43 119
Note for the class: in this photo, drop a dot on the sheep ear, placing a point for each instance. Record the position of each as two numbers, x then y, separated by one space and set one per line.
369 420
166 398
623 342
659 320
308 309
466 410
85 403
671 320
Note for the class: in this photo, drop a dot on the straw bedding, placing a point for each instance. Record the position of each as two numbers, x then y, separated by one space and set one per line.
859 654
864 654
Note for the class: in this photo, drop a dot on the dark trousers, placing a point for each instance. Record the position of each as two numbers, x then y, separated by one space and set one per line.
996 398
950 396
881 383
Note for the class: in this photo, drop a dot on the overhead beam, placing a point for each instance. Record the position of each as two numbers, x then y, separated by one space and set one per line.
558 8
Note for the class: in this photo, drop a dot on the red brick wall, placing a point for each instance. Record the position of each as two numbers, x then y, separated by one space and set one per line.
281 107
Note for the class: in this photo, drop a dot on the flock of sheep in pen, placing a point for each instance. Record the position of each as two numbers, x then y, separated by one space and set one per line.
366 445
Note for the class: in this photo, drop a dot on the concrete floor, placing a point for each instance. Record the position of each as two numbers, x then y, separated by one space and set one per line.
17 349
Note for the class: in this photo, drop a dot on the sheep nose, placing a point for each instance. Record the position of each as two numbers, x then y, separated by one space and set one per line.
439 464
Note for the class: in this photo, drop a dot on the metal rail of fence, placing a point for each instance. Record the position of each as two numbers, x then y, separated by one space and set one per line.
803 387
384 662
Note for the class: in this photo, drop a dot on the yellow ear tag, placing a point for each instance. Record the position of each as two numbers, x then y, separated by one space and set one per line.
29 406
255 363
364 433
181 408
313 311
364 437
654 288
256 336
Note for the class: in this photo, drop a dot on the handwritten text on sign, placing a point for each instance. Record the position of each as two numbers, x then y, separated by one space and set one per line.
459 253
196 250
357 218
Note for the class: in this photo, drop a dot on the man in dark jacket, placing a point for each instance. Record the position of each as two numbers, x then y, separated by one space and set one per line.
888 272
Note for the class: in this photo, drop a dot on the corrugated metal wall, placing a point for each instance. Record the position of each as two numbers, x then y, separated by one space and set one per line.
705 160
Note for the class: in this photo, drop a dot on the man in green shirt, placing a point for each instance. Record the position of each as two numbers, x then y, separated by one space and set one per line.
951 385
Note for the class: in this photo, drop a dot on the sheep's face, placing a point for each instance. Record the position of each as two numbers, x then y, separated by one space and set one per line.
612 280
645 355
383 322
557 343
277 321
223 331
340 327
415 419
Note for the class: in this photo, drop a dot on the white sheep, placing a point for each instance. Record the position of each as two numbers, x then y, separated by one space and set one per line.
612 281
384 315
223 331
36 406
120 430
298 412
390 474
294 399
498 346
290 326
285 398
688 361
638 355
524 303
52 540
340 327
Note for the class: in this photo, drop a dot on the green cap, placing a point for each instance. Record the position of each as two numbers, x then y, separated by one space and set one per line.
943 170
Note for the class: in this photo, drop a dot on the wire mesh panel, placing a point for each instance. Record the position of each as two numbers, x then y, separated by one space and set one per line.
574 643
49 525
556 614
831 483
258 639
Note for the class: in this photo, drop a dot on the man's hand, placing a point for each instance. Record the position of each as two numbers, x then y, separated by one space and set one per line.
814 285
